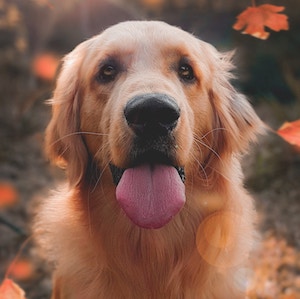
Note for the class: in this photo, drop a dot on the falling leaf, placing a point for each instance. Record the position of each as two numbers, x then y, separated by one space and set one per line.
290 132
254 19
20 269
8 195
45 66
10 290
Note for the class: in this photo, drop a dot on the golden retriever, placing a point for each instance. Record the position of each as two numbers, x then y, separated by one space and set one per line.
150 132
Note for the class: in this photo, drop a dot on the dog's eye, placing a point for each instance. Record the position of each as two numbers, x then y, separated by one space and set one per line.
107 73
186 73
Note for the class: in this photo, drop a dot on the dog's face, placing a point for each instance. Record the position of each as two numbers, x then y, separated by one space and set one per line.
152 102
149 91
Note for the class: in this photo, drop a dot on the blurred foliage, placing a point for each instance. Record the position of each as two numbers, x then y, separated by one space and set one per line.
266 79
275 262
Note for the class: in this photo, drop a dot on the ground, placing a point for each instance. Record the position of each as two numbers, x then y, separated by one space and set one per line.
272 176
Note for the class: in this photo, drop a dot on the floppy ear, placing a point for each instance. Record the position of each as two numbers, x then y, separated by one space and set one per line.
64 143
233 114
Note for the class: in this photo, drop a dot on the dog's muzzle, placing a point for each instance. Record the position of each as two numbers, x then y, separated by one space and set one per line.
151 190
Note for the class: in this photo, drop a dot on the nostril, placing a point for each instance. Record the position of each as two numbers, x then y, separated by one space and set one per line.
152 114
168 117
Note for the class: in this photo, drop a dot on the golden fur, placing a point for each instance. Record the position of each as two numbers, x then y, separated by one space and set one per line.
98 253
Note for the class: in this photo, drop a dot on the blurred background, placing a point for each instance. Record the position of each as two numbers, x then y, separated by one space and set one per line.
34 36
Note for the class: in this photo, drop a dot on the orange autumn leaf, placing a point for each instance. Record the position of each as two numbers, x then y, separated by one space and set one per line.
21 270
45 65
290 132
254 20
8 195
10 290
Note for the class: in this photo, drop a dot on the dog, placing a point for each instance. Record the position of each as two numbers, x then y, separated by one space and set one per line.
151 132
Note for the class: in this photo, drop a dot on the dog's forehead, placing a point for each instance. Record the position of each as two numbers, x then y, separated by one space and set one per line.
133 35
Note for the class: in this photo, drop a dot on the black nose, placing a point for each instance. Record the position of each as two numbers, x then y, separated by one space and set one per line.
152 114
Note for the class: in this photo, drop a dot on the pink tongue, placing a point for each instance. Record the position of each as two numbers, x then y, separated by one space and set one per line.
151 195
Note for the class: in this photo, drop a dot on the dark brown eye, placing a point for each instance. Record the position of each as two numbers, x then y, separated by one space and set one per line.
107 73
186 73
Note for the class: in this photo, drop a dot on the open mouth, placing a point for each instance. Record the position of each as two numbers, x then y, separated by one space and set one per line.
118 172
150 194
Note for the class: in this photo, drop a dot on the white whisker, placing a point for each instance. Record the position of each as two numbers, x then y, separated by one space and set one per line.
211 131
202 169
199 141
200 165
99 178
221 174
78 133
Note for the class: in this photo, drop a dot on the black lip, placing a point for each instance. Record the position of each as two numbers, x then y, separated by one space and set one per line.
118 172
151 156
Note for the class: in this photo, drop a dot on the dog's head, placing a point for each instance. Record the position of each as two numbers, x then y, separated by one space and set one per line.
153 104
